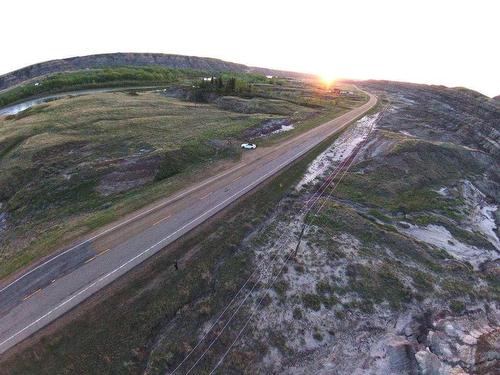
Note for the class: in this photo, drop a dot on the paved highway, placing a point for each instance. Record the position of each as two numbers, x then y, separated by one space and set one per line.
43 293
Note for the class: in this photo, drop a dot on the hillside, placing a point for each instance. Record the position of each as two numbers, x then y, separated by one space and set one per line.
73 164
129 59
396 271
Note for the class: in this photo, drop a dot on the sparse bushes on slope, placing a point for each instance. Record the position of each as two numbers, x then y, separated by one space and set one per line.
176 161
425 167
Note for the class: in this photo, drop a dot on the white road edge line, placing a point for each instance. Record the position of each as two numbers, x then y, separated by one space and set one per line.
175 197
102 278
144 213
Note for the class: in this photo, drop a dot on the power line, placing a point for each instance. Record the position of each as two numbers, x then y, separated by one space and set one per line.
324 186
321 190
281 269
251 316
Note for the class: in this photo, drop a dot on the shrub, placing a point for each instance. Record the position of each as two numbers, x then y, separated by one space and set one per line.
340 314
312 301
299 268
378 286
318 336
281 287
323 287
457 306
423 282
297 313
266 301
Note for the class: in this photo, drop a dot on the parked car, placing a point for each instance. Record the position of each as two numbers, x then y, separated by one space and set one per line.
248 146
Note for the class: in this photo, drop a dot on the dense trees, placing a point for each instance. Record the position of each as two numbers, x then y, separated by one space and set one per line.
225 84
96 78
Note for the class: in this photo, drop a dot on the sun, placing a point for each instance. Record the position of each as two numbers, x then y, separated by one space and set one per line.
327 78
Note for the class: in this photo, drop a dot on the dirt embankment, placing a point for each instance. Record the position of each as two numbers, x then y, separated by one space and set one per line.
396 273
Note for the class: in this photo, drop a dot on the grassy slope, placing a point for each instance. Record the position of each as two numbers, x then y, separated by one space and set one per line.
389 272
426 166
118 332
81 138
402 185
55 158
311 98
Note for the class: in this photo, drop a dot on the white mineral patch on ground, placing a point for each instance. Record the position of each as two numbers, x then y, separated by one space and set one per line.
284 128
339 150
443 191
480 218
406 133
481 214
439 236
485 222
401 99
301 276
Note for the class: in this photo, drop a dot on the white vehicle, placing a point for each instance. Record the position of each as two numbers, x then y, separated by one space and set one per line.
248 146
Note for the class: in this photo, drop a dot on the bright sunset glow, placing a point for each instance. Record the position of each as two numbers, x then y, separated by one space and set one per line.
328 78
424 41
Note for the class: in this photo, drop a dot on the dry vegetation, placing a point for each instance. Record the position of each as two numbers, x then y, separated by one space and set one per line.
74 164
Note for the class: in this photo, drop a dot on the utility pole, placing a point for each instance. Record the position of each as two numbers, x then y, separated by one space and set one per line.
300 236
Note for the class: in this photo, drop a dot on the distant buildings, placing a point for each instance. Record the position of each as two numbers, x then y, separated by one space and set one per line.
336 92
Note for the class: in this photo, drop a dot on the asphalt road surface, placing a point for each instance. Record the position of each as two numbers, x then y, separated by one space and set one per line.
41 294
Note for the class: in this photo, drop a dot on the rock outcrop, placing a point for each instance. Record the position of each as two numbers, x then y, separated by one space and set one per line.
461 345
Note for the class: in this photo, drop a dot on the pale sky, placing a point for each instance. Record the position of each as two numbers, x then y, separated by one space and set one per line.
455 43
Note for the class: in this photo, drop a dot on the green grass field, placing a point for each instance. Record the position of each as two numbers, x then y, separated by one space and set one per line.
74 164
119 331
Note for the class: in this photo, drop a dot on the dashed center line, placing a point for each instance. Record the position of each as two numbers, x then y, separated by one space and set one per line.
159 221
237 178
87 261
32 294
107 278
206 195
103 252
